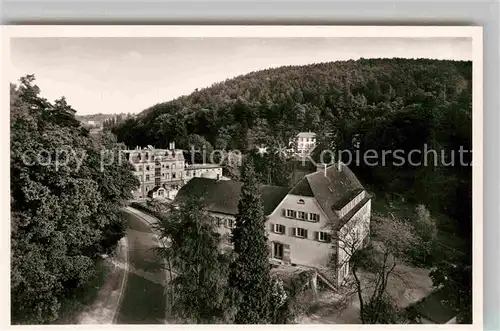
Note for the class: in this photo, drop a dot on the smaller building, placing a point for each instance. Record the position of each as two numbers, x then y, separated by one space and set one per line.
432 309
159 192
205 170
305 143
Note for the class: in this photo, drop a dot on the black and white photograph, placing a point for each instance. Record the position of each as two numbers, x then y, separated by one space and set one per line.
230 175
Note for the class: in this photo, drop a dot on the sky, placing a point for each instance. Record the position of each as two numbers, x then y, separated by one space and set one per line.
128 75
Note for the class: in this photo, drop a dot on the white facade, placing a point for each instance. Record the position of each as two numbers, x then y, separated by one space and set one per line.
300 247
305 143
308 225
204 171
352 236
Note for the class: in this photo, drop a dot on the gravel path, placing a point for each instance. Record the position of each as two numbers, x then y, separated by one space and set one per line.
104 308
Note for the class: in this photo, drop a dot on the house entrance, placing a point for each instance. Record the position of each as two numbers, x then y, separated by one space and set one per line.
278 251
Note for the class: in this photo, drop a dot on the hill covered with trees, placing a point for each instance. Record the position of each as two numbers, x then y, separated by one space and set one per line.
383 104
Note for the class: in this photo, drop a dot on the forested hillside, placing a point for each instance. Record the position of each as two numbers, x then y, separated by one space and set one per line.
65 208
383 103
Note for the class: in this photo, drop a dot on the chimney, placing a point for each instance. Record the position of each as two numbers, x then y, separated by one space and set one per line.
321 167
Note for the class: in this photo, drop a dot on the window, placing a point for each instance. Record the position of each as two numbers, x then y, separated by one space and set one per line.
229 223
173 175
291 213
300 233
167 176
163 166
313 217
167 166
302 215
147 168
323 236
278 251
139 168
301 202
163 175
218 220
173 166
147 177
279 228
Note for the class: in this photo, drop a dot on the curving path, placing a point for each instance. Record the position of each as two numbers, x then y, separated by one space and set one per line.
143 300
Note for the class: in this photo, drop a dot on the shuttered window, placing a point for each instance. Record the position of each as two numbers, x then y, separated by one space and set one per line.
313 217
291 213
322 236
279 228
300 233
229 223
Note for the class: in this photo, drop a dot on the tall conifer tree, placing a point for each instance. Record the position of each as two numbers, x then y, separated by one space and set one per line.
250 272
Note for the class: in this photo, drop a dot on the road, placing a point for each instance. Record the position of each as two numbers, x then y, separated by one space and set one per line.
143 299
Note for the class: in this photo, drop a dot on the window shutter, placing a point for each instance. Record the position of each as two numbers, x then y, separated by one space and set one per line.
286 253
270 248
271 227
284 212
305 234
316 235
292 232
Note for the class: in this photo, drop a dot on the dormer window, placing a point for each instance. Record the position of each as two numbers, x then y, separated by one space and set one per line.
301 202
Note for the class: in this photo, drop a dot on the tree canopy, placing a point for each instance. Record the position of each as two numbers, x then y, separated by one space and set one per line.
379 103
64 207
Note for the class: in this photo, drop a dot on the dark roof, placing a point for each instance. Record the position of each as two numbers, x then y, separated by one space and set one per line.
202 166
306 134
222 196
434 308
331 189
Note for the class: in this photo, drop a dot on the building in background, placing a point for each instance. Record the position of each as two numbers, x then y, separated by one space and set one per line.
304 143
205 170
162 172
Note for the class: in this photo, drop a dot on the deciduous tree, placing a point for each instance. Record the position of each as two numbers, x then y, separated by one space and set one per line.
199 268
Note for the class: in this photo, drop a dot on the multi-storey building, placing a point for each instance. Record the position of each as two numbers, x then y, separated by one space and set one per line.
318 223
305 142
162 172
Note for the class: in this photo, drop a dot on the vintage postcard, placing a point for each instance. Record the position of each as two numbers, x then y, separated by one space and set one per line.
243 175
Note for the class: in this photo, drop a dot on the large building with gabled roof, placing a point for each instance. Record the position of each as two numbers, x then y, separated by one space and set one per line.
317 224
